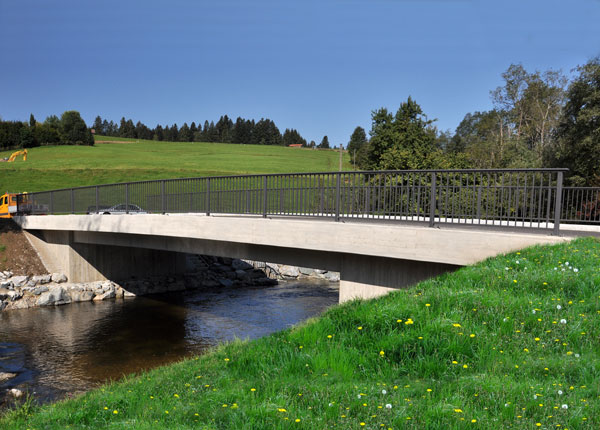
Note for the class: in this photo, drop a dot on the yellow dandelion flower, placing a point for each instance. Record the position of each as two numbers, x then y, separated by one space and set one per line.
471 335
429 390
465 366
115 412
456 325
227 359
381 353
297 420
473 420
458 411
360 327
329 336
253 389
427 304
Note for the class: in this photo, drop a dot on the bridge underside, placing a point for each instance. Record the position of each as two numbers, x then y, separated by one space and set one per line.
372 258
92 256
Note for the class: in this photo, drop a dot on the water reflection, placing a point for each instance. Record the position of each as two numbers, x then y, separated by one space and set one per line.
69 349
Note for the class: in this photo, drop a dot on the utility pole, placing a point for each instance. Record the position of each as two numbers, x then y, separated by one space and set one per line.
340 157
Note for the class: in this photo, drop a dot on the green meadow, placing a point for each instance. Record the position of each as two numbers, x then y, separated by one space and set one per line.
511 342
54 167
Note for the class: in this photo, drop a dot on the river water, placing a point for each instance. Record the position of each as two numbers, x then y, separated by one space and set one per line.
65 350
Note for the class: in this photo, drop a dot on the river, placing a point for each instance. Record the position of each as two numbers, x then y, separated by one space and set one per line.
65 350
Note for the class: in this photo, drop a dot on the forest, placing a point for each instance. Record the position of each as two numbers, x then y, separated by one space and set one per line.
538 119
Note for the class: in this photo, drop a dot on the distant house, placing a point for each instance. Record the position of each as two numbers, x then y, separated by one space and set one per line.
295 145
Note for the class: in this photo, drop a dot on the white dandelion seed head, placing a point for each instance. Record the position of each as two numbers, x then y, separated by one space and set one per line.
517 261
566 263
577 355
533 311
559 307
575 270
534 396
506 268
359 396
505 319
506 405
560 392
565 406
563 269
331 404
383 392
556 268
388 406
563 321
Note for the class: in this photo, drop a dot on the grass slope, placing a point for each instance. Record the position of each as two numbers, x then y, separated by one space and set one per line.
509 343
53 167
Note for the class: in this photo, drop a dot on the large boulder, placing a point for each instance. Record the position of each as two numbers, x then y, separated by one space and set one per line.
19 281
59 278
237 264
55 295
39 290
290 272
332 276
42 279
81 295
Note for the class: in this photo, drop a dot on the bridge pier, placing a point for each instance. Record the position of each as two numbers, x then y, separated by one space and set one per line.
82 262
366 277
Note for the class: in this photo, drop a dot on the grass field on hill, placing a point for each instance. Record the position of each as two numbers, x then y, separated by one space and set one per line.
53 167
512 342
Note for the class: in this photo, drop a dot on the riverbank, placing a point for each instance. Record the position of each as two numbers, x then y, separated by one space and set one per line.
509 343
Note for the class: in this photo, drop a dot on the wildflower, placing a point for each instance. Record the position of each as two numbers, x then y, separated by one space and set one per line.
115 412
471 335
297 420
227 359
458 411
329 336
456 325
559 307
577 355
560 392
360 327
398 321
252 389
465 366
362 424
565 406
473 420
563 321
537 339
427 304
283 410
429 390
569 352
409 321
533 311
575 270
359 396
381 353
176 396
383 392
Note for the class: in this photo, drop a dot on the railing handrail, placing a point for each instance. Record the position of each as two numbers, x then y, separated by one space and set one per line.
346 172
532 198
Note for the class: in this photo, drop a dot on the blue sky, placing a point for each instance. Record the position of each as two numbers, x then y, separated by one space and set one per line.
318 66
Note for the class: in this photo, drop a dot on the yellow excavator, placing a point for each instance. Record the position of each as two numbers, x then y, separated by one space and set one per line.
14 156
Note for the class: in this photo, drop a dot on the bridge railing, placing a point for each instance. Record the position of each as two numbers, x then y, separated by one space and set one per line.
530 198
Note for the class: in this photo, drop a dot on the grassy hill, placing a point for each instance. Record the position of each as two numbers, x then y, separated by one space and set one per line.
509 343
53 167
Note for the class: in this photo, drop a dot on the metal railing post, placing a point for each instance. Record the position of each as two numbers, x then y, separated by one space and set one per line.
72 201
432 201
163 203
52 202
126 198
207 196
265 196
558 203
97 200
337 196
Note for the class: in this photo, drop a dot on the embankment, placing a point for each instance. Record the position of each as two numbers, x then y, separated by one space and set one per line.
509 343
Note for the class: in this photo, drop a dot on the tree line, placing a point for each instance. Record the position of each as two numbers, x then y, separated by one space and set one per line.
539 119
225 130
69 129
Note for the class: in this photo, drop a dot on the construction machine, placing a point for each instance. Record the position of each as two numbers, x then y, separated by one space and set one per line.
14 155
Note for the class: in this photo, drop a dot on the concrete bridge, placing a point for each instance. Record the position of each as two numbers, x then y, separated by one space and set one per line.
372 257
393 229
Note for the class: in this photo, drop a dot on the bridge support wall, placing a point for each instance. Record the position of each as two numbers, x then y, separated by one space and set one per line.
83 262
366 277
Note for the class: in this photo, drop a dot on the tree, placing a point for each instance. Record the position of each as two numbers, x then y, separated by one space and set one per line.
26 138
32 121
98 126
292 137
185 134
578 134
402 141
358 140
73 130
324 143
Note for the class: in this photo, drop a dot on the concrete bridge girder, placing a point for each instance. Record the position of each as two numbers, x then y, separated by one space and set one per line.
372 258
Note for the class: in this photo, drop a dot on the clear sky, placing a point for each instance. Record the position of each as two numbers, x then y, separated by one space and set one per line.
320 66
